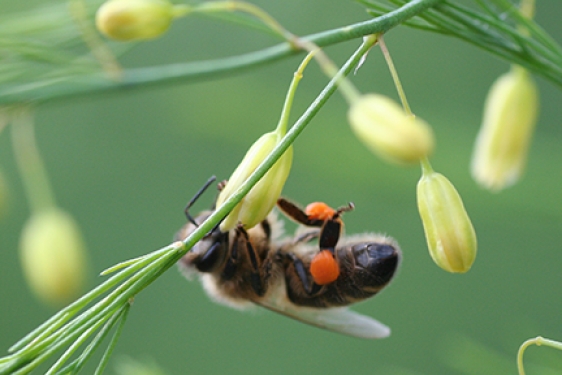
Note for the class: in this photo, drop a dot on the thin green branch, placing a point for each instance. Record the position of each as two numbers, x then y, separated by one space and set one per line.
76 365
77 343
60 88
105 359
496 29
538 341
64 315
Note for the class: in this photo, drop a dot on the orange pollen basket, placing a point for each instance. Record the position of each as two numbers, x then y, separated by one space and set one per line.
324 268
319 211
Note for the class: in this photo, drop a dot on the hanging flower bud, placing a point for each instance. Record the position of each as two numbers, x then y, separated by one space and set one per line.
383 126
53 256
259 201
503 142
449 233
127 20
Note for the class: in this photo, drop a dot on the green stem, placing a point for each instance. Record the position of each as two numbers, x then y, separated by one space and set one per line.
105 359
394 74
60 88
426 167
493 31
221 6
56 321
75 366
538 341
30 164
286 111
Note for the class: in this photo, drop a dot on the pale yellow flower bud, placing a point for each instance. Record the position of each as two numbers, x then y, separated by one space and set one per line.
53 256
137 19
383 126
449 233
261 199
503 142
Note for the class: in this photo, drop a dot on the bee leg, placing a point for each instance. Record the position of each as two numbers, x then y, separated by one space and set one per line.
307 237
330 234
297 214
309 286
257 280
331 230
266 229
194 199
231 265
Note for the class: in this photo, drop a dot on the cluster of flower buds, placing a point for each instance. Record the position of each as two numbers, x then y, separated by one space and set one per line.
53 256
383 126
128 20
448 230
502 144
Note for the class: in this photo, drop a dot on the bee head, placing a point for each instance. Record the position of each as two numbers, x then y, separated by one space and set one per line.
211 250
207 254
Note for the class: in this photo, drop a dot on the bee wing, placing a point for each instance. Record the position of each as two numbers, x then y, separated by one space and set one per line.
336 319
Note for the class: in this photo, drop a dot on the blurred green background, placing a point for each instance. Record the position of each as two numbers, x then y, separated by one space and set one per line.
125 164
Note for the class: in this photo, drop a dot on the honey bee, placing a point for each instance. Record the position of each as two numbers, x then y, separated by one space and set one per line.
312 283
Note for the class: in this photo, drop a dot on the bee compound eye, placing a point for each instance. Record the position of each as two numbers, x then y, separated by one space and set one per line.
213 251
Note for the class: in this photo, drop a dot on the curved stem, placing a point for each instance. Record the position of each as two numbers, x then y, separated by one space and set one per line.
31 166
426 167
394 74
538 341
221 6
60 88
286 111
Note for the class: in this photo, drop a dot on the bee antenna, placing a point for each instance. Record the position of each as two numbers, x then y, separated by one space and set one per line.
194 199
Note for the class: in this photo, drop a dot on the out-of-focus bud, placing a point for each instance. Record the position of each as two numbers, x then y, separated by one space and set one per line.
128 20
53 256
502 144
449 233
389 131
259 201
